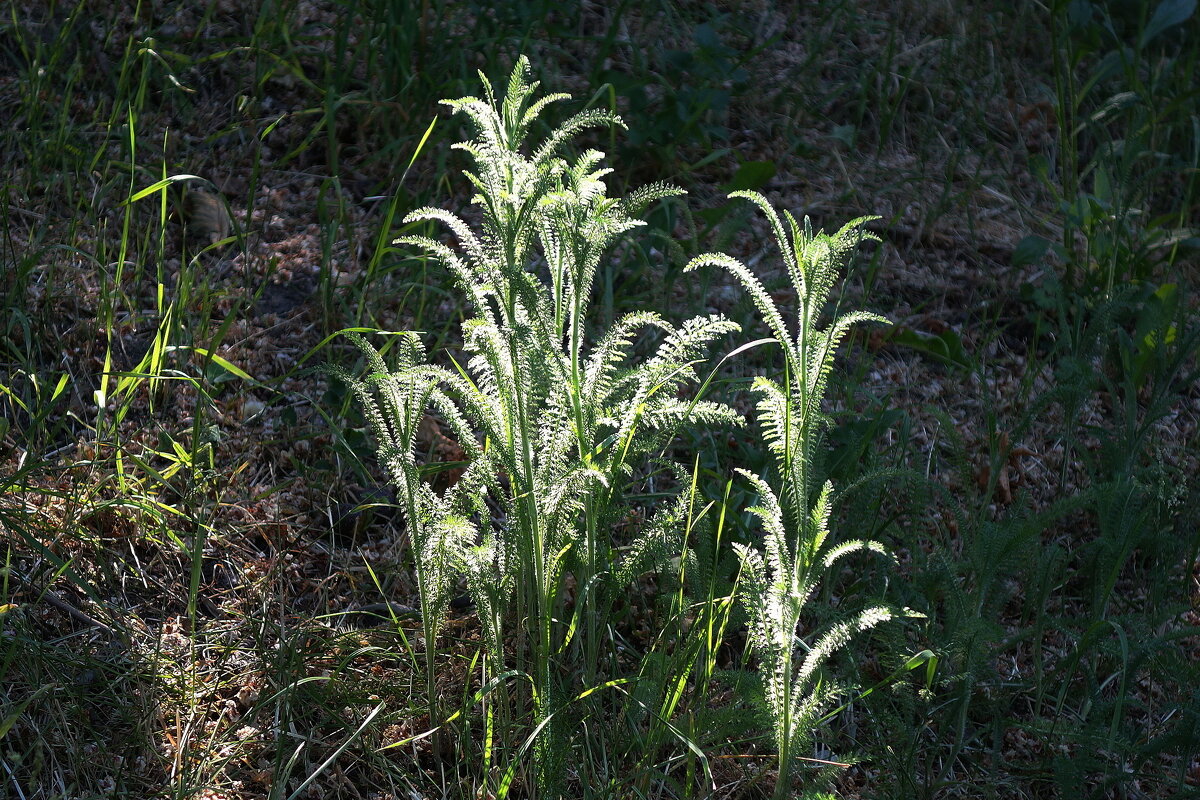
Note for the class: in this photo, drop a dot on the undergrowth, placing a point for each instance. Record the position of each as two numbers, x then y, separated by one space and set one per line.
205 592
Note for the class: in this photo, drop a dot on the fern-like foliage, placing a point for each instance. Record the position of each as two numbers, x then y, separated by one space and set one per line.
774 590
791 415
394 400
778 580
557 423
564 422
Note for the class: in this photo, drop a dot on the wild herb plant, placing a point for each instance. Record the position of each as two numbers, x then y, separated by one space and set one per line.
439 526
565 423
777 586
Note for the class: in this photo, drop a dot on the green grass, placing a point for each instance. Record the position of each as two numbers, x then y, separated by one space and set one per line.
1022 438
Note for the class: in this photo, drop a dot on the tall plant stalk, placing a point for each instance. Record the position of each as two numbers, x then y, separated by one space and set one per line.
778 583
562 422
394 401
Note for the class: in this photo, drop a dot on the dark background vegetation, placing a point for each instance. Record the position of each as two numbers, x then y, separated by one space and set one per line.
185 511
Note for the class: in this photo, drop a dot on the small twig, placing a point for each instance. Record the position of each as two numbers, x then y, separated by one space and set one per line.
52 597
15 783
378 610
62 605
26 212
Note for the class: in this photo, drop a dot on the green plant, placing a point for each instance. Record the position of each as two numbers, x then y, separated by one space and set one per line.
1055 607
1128 148
439 526
690 103
565 424
796 520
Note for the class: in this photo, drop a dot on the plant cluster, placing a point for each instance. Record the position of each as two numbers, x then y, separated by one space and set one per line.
559 425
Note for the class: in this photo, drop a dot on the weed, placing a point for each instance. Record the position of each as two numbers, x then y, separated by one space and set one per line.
798 554
563 424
